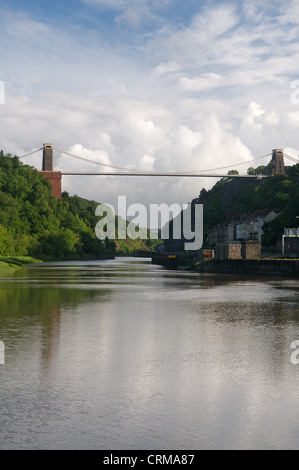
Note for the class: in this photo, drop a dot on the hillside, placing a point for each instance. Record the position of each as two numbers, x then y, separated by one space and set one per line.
233 197
34 223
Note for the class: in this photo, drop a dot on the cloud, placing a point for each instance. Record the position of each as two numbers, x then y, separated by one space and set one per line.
24 27
73 164
293 118
206 81
292 152
147 163
219 42
253 116
272 119
132 12
119 133
166 67
117 4
195 45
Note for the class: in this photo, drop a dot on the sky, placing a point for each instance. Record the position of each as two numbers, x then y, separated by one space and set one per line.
164 85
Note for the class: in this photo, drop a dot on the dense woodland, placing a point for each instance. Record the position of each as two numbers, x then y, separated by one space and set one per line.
231 198
34 223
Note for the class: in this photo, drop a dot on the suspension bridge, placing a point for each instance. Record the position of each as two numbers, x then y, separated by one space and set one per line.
278 167
48 165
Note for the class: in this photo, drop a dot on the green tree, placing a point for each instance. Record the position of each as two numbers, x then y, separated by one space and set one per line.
33 222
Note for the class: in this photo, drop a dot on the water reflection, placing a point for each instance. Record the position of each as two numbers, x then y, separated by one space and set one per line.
125 355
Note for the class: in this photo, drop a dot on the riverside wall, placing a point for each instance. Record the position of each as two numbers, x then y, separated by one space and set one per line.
276 267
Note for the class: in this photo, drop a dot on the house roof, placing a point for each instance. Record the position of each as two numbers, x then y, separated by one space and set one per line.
257 215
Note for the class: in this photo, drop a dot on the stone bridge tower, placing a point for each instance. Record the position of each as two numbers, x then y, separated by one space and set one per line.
48 171
278 167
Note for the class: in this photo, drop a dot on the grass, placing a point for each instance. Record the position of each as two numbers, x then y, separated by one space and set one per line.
10 264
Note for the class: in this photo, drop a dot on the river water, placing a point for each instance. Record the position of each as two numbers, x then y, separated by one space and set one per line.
126 355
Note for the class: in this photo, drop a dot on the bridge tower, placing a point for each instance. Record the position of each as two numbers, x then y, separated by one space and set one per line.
278 167
48 160
48 171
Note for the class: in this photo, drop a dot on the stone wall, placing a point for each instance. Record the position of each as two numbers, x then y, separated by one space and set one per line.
251 250
275 267
55 179
229 251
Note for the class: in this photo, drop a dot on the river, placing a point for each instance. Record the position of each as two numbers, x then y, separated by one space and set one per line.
122 354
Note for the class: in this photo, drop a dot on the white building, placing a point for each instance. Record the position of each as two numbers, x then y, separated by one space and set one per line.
252 227
245 228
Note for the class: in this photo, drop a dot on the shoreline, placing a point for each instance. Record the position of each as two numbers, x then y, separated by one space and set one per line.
10 264
266 267
263 266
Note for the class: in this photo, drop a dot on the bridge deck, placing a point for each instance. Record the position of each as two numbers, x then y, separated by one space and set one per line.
173 175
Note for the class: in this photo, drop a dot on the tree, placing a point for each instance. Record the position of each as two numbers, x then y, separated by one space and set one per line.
261 170
7 245
33 222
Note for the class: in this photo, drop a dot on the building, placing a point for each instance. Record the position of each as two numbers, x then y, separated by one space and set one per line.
290 240
229 251
242 237
251 250
244 228
218 235
251 227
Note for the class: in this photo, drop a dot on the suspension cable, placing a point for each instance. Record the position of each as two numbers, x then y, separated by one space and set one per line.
153 172
291 158
30 153
92 161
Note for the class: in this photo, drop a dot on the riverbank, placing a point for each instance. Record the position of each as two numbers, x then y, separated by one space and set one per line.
52 259
10 264
275 267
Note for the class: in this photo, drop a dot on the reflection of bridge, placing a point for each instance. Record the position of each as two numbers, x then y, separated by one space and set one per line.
278 167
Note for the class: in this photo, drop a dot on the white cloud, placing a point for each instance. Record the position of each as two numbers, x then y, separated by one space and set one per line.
271 119
293 118
187 140
147 163
257 118
290 13
108 3
24 27
195 45
132 12
292 152
66 163
206 81
166 67
253 116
